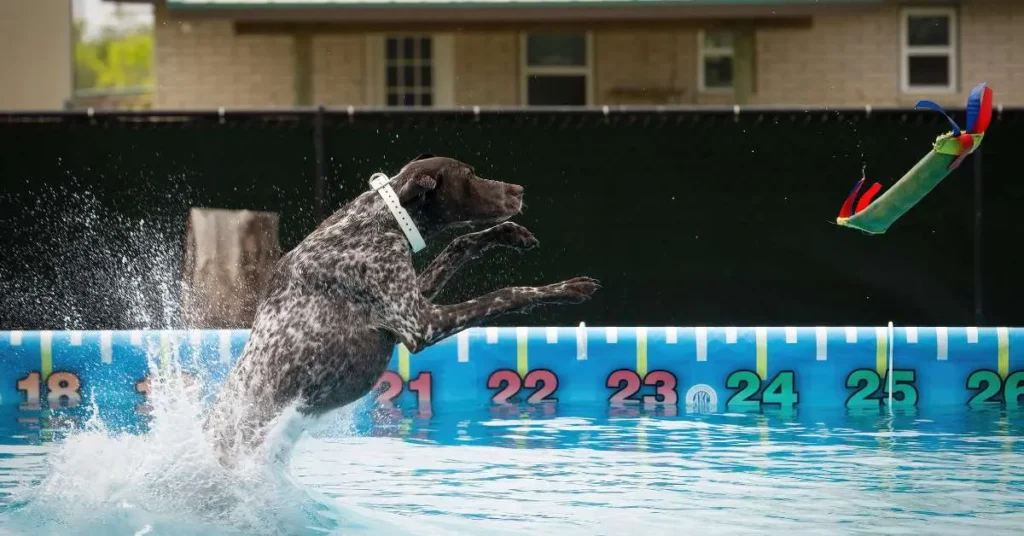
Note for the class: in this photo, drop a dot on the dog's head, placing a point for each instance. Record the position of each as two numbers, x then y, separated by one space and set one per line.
441 192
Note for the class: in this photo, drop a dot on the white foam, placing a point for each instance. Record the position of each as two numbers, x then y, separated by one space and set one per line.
169 479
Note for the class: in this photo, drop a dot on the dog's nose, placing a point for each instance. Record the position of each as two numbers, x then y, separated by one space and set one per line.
515 190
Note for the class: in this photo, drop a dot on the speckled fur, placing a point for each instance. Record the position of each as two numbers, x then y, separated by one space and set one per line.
339 302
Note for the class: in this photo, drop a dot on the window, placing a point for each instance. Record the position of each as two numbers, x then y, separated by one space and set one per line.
556 69
715 72
928 47
409 70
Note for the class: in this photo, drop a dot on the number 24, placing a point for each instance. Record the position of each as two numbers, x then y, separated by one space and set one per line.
779 391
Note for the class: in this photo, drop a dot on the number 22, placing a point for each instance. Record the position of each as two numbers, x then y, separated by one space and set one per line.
509 382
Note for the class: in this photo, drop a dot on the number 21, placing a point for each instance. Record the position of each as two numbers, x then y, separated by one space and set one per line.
421 385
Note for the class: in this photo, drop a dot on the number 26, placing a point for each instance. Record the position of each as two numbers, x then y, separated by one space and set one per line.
1011 389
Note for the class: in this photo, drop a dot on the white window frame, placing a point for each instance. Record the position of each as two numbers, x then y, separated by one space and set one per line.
526 70
442 62
714 52
949 50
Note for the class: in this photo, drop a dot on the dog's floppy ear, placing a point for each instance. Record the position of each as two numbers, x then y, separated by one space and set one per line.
417 185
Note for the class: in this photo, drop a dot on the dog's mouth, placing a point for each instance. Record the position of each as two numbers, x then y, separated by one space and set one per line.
509 208
513 206
519 203
504 201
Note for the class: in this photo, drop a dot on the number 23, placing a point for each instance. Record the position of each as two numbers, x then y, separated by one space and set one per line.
628 383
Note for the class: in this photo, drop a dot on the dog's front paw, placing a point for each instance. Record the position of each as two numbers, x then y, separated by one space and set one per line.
513 235
575 290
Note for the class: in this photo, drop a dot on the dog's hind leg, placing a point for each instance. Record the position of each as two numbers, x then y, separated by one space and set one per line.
468 247
436 322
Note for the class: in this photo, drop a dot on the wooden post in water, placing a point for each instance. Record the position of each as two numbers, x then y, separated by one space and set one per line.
229 257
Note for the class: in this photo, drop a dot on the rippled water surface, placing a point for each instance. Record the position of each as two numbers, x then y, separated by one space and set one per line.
568 471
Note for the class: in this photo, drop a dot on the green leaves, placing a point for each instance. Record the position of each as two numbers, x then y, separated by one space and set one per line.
114 60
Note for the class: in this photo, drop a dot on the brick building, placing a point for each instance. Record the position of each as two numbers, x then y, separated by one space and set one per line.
36 57
250 53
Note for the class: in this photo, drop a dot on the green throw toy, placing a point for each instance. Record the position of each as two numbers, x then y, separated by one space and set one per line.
948 151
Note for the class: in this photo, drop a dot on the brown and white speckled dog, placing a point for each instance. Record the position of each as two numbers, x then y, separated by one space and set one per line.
339 302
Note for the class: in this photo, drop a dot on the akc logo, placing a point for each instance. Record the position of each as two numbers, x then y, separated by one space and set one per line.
701 398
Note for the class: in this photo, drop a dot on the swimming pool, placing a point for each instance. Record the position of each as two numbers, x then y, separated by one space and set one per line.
572 463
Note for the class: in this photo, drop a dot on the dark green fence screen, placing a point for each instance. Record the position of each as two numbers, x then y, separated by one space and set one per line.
687 217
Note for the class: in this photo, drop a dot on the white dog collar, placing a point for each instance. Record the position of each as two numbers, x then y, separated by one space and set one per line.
382 185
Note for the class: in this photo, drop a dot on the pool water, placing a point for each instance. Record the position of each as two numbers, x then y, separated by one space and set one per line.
534 470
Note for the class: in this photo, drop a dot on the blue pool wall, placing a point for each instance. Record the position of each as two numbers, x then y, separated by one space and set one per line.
715 369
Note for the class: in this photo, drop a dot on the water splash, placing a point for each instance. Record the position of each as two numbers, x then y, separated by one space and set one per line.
74 261
101 479
169 480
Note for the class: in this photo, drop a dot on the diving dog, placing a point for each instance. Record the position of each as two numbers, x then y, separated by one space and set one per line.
338 303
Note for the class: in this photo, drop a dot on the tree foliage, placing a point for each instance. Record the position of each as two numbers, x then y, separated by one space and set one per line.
116 59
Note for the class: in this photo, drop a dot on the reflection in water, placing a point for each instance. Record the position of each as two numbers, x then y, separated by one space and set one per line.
612 470
561 469
625 469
